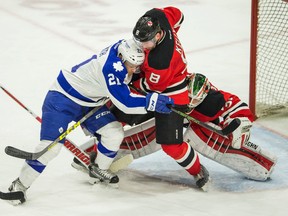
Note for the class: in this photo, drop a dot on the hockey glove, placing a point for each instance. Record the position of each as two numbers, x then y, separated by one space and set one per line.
158 103
242 134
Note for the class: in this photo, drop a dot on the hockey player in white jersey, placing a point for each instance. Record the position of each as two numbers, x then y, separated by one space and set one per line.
77 91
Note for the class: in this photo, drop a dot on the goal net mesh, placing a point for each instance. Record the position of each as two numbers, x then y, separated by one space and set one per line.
272 57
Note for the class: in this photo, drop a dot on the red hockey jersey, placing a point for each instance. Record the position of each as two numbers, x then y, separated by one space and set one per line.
219 105
165 68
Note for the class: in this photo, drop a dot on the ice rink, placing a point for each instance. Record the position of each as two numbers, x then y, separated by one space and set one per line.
39 37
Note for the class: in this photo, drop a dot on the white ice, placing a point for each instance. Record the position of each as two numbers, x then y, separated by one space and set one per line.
38 37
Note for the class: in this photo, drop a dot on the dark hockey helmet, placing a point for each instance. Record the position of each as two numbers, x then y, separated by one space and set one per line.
146 28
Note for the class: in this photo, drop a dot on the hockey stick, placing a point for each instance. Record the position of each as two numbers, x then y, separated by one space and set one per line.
117 165
17 195
33 156
224 132
81 155
74 149
15 99
15 152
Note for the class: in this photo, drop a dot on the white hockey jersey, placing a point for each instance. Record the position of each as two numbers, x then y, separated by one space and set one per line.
100 76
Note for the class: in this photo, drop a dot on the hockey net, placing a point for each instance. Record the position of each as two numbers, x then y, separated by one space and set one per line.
269 57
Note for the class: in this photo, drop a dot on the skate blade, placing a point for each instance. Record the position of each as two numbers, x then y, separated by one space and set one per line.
96 181
14 202
205 188
93 181
79 167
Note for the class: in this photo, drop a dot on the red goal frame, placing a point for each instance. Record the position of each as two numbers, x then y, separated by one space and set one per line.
253 52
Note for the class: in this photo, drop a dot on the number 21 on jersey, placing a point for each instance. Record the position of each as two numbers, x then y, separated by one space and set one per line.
113 80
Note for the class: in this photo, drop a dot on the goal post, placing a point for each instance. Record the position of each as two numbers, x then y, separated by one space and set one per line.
268 91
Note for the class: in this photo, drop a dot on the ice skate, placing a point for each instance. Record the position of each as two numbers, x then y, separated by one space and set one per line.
17 186
202 178
98 175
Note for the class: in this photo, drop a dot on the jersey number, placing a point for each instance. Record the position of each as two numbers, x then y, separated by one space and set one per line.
112 80
154 78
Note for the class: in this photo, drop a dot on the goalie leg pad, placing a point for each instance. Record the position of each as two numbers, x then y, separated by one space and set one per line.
253 163
139 140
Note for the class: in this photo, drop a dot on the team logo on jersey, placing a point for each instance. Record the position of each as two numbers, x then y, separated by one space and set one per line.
118 66
61 130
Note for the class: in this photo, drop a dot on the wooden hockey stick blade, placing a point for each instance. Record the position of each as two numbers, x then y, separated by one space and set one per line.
121 163
17 195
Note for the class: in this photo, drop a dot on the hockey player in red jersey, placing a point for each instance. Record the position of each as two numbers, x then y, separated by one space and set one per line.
164 71
216 108
208 104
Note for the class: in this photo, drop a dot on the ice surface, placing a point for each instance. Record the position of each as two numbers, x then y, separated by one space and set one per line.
40 37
